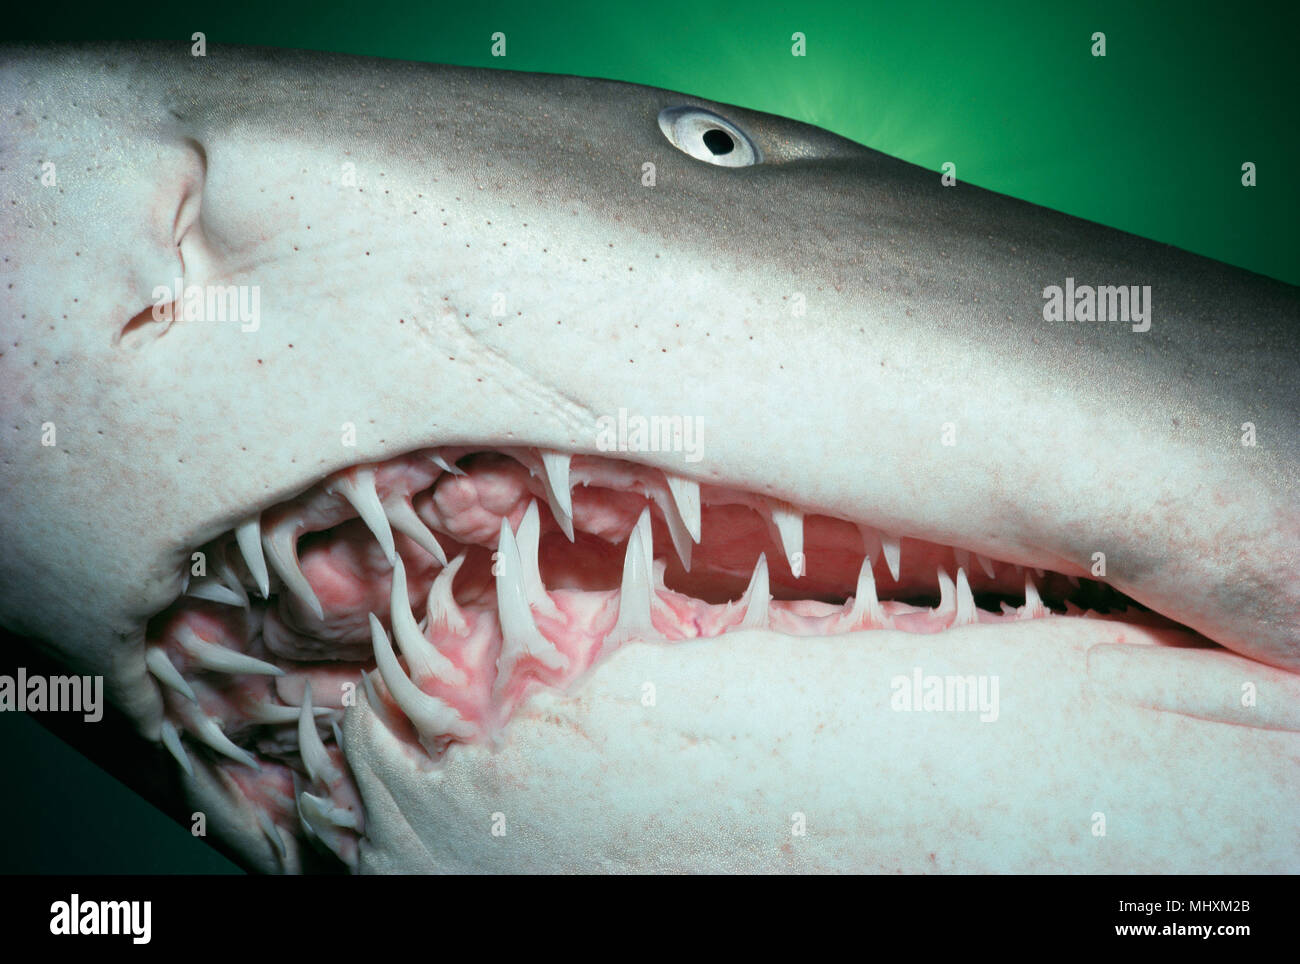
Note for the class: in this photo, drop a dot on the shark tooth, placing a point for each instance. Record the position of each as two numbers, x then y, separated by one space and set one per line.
219 659
757 597
281 545
205 729
403 517
892 548
311 748
635 599
555 477
686 500
528 539
318 811
437 459
227 577
165 671
432 718
213 590
441 609
1033 607
248 536
171 739
422 656
358 487
866 609
985 563
271 832
520 636
788 523
967 613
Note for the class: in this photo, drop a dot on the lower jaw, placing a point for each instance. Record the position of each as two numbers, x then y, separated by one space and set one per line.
759 752
694 755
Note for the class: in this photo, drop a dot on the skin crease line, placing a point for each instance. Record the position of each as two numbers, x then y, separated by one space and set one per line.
462 470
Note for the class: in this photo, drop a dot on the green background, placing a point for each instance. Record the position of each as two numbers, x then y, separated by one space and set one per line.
1150 139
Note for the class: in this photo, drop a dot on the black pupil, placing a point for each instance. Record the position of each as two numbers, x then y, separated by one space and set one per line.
718 142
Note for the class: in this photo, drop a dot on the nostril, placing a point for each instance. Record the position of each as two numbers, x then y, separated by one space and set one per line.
149 324
718 141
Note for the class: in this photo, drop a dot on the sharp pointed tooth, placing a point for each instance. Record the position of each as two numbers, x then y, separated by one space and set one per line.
520 636
227 577
870 543
1007 608
172 740
866 605
155 658
275 713
219 659
358 487
788 523
403 517
961 557
1033 607
947 594
372 695
441 608
271 831
677 531
967 614
316 811
214 591
558 495
205 729
635 599
422 657
528 539
248 535
686 500
985 564
281 545
757 596
432 718
893 550
646 532
270 713
439 461
311 748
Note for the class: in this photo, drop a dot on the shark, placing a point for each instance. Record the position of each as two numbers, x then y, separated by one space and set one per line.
465 470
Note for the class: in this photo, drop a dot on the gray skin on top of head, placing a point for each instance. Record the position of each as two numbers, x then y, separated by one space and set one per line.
473 188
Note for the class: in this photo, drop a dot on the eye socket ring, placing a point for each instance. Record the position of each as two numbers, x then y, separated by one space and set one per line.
708 137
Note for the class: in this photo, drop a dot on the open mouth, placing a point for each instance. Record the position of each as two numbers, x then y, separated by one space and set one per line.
450 584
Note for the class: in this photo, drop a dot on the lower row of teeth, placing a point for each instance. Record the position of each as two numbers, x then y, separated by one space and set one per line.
458 675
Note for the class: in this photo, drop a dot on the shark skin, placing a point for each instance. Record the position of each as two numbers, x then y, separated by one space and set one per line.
457 257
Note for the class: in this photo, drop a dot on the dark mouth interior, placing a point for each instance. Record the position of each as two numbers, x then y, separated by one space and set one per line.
287 617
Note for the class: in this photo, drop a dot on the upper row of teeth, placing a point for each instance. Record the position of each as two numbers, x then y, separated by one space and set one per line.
678 500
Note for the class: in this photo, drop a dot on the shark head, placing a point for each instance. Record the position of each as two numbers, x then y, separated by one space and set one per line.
471 470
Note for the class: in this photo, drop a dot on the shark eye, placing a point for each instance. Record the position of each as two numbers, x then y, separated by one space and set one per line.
707 137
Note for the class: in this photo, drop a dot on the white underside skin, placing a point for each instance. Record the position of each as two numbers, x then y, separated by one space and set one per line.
751 730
